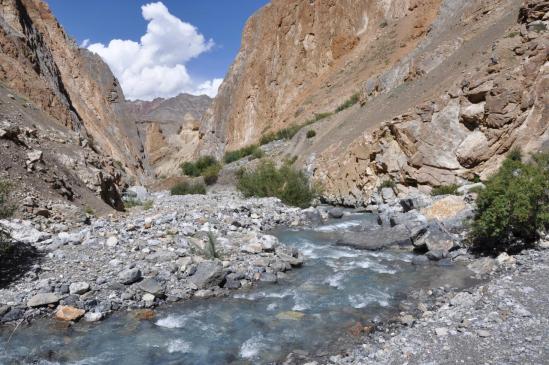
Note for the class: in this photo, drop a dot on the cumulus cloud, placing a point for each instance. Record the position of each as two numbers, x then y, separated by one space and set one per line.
155 66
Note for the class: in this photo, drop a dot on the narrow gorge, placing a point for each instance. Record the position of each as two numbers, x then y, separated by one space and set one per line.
367 185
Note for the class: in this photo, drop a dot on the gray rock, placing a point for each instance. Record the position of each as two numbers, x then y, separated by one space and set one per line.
79 288
129 276
376 239
388 194
152 286
93 317
335 213
268 277
436 240
43 299
207 274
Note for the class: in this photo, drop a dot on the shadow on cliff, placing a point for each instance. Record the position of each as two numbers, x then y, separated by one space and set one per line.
16 259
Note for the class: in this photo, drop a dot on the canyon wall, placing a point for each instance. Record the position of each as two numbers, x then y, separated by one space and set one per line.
299 58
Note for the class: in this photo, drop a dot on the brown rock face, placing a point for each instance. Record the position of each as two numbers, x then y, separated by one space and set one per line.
168 130
75 87
299 58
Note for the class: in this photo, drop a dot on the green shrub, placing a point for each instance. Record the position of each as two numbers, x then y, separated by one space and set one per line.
258 153
320 116
210 250
387 184
445 190
186 188
286 183
133 202
311 133
514 207
196 168
252 150
6 208
348 103
211 174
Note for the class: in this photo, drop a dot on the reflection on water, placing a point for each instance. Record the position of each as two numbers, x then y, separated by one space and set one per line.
337 287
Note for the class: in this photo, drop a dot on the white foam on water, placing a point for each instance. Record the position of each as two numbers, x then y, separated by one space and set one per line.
179 346
300 303
272 306
172 322
251 347
335 280
261 295
338 226
373 296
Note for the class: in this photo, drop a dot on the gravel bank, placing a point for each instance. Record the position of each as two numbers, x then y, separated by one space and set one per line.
149 257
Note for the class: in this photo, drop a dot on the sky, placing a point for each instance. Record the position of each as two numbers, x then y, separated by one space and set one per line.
160 48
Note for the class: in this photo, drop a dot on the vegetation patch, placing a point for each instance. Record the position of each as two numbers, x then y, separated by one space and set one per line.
445 190
6 211
311 133
387 184
290 185
197 168
253 150
133 202
348 103
186 188
514 208
206 166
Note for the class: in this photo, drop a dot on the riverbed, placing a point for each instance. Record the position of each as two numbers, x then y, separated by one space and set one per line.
310 311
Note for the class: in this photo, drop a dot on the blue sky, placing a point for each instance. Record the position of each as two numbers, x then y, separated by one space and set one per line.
216 42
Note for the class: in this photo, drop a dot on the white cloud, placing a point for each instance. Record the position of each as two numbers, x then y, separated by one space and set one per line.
155 66
85 43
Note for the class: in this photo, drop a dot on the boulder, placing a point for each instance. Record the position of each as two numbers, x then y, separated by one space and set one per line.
43 299
335 213
388 194
79 288
252 248
23 231
472 115
436 240
93 317
130 276
376 239
445 208
473 150
68 313
152 286
207 274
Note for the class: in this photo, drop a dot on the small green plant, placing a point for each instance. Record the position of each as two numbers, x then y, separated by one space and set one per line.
387 184
132 203
6 208
311 133
512 34
383 24
286 183
210 250
252 150
186 188
89 211
445 190
148 204
515 154
348 103
258 153
6 211
195 169
513 209
211 174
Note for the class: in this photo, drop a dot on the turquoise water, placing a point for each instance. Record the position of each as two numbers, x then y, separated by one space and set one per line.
310 311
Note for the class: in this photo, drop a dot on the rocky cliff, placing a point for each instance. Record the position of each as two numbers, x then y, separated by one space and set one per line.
299 58
167 130
76 89
446 89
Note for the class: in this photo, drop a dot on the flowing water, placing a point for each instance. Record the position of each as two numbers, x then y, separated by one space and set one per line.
310 311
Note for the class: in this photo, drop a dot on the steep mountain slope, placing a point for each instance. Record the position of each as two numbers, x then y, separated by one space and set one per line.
75 89
446 89
299 58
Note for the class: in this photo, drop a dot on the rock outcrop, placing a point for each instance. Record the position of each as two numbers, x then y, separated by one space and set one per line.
495 104
299 58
